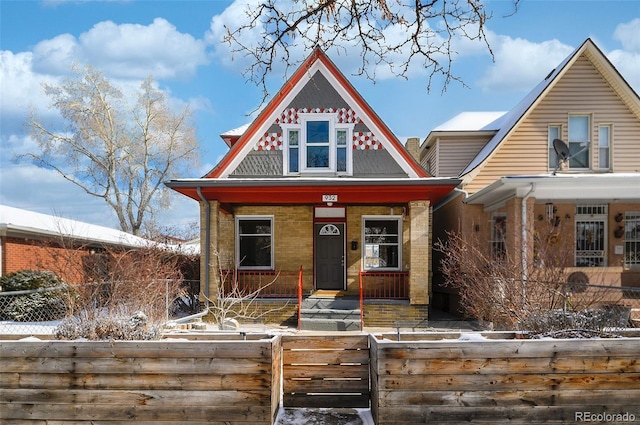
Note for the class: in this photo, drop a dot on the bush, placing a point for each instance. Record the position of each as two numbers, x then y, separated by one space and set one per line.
110 326
29 279
49 303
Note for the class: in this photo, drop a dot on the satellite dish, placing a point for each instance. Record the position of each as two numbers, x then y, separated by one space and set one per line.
562 153
561 148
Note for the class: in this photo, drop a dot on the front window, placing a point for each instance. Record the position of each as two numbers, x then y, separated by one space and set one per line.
553 133
254 242
604 145
632 239
382 242
591 235
318 143
498 235
579 132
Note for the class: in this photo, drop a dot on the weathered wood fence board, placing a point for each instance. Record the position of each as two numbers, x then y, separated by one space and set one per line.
515 381
165 382
325 371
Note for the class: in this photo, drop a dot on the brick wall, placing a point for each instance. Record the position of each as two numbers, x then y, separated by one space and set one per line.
30 254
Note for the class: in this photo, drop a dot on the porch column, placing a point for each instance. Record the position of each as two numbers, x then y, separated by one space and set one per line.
519 239
419 252
209 266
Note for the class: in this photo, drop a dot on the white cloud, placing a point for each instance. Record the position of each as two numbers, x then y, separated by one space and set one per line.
521 64
627 60
125 51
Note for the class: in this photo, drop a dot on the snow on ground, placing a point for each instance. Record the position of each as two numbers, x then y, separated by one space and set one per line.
305 416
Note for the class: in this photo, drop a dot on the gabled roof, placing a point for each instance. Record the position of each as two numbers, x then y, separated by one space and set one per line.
318 61
512 118
16 222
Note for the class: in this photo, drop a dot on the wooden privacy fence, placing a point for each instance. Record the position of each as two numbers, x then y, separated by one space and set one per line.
325 371
505 381
142 382
230 380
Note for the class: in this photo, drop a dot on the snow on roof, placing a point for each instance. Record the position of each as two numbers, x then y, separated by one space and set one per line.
236 131
473 121
511 118
19 220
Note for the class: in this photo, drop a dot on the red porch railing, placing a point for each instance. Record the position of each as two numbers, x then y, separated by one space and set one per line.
384 285
270 283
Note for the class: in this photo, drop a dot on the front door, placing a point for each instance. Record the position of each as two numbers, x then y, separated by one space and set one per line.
329 256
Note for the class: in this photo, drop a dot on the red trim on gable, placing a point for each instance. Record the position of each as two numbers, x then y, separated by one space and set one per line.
264 115
373 115
317 54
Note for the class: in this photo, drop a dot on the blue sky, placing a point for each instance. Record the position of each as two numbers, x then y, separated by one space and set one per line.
179 44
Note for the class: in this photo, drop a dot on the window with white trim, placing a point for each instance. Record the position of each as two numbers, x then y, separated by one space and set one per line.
553 132
382 242
319 144
579 140
254 242
591 235
604 147
632 239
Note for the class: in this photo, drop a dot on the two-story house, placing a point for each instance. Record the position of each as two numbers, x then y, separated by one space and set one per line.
515 188
318 186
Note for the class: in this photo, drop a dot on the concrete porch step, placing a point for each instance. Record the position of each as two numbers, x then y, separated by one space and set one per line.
329 325
320 312
328 313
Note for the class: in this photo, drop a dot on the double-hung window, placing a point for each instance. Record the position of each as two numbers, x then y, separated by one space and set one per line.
254 242
579 140
604 147
382 242
553 132
318 144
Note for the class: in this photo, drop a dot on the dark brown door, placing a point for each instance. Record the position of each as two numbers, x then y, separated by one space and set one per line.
329 252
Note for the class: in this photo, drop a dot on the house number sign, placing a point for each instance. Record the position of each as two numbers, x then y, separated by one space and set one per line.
329 198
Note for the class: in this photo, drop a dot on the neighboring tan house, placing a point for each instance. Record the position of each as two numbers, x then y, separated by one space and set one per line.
317 184
514 187
70 248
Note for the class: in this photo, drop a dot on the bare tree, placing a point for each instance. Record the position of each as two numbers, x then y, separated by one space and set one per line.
234 302
500 288
393 34
112 149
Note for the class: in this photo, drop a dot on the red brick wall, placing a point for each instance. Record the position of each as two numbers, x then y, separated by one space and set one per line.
28 254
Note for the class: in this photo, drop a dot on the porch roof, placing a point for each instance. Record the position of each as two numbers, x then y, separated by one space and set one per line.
310 190
606 187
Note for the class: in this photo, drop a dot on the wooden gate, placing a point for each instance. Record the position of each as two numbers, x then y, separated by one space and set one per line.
325 371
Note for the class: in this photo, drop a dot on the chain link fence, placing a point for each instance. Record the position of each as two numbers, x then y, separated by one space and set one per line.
39 311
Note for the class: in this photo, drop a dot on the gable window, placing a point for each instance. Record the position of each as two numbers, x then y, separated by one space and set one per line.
579 132
553 132
382 242
632 239
498 236
254 236
591 235
293 156
317 144
604 147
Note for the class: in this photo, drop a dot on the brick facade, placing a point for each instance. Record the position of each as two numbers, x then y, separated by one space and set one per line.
293 239
32 254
